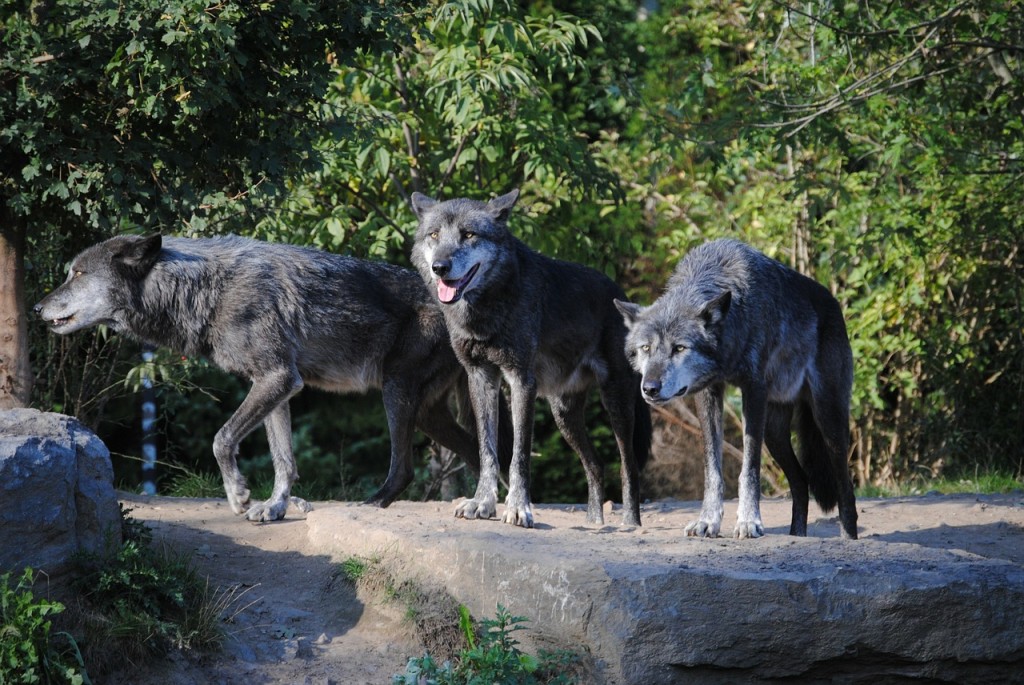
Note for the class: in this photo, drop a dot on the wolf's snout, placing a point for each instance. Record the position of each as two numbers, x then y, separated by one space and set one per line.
651 388
38 308
441 267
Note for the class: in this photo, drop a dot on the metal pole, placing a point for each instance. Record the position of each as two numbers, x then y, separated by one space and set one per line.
148 422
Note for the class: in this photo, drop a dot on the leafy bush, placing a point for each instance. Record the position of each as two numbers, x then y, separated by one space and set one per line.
145 600
493 658
884 162
28 652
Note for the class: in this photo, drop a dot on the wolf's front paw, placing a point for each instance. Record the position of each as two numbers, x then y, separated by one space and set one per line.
475 509
261 512
518 512
748 529
702 529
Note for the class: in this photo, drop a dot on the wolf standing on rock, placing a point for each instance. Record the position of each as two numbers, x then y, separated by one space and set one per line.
730 315
550 328
280 316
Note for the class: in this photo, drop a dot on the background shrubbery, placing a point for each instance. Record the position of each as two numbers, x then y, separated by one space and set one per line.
878 149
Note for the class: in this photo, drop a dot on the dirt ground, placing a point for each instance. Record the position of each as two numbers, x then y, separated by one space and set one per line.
295 620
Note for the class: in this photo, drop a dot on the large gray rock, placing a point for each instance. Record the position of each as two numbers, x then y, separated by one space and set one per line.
934 590
56 492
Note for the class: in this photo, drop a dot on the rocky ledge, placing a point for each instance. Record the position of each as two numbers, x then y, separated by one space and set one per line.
933 590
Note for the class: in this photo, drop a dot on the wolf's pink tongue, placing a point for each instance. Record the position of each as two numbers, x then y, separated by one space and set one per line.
445 293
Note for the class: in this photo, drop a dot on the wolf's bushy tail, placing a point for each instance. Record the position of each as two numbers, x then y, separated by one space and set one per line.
814 457
642 429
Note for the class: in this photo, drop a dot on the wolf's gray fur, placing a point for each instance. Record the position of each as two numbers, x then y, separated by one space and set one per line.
550 328
280 316
730 315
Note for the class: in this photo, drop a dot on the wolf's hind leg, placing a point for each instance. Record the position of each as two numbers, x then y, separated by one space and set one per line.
778 439
568 411
620 401
400 405
438 424
225 449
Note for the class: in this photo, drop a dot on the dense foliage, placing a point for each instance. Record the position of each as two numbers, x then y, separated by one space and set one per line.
876 148
29 652
180 116
469 106
879 151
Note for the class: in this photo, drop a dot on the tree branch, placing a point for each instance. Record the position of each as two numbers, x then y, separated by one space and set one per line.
412 144
455 158
953 11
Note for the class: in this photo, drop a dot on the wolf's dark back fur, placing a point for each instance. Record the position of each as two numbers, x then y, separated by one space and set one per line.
280 295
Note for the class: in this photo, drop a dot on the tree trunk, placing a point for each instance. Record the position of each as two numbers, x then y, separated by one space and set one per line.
15 372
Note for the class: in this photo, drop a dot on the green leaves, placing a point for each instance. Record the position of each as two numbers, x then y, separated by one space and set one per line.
27 655
493 658
869 160
177 98
468 108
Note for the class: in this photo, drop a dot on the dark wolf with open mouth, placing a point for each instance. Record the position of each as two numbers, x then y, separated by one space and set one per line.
282 317
550 328
731 315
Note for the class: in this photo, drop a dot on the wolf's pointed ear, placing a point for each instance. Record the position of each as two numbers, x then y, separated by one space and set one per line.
421 203
501 207
629 312
714 311
140 253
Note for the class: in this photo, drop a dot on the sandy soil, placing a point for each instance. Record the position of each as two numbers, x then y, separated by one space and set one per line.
297 621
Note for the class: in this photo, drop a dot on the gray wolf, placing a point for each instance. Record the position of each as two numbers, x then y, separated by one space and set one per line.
550 328
281 317
732 316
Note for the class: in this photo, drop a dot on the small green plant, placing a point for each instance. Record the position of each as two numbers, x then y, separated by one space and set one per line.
144 599
28 652
189 483
493 657
354 568
153 599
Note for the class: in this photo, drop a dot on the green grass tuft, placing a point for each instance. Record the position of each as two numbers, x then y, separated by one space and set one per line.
990 483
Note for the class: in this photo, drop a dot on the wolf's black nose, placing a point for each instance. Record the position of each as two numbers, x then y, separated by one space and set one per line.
38 307
651 388
441 267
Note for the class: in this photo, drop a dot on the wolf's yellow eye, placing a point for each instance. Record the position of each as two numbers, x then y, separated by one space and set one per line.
645 348
466 235
433 235
680 348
